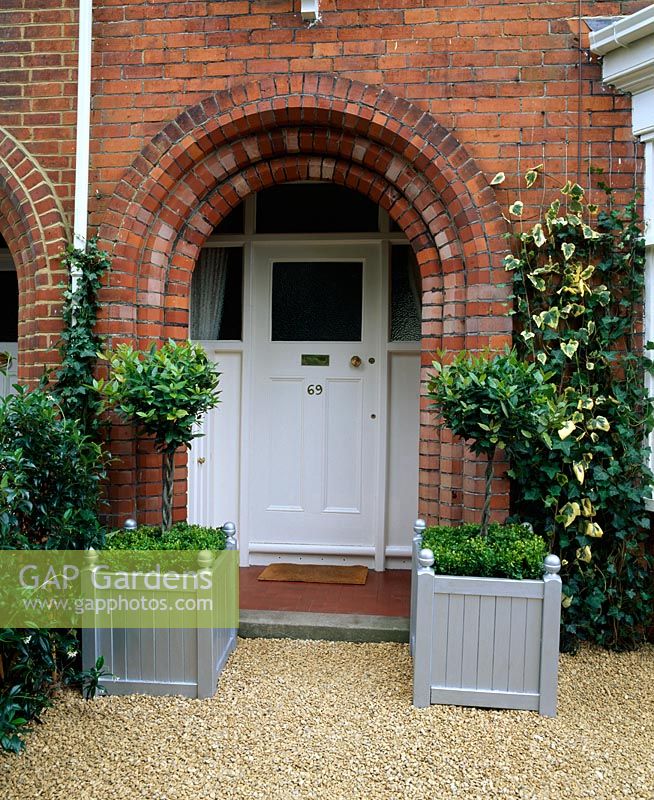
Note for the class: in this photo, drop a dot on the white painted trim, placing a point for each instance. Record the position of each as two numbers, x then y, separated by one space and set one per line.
627 47
83 125
623 32
383 389
312 549
310 10
247 398
398 551
404 347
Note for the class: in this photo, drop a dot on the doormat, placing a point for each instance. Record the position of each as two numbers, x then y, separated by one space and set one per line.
315 573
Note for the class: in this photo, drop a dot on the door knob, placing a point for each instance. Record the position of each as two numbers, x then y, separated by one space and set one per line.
355 361
201 460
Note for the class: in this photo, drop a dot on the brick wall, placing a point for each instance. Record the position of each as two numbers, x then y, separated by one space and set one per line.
503 75
172 150
38 89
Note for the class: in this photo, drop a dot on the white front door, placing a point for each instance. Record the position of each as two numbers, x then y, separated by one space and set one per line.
316 400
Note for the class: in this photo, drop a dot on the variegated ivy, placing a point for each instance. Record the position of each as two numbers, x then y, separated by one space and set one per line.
577 274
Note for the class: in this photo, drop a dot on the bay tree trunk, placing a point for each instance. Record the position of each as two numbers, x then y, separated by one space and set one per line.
485 512
167 490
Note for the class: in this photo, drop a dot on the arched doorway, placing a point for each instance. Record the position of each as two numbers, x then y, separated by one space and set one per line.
34 234
8 321
309 298
206 163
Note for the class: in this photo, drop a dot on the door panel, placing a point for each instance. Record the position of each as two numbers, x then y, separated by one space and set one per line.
285 451
316 426
342 445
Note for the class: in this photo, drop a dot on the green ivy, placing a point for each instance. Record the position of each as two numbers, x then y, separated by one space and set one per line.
578 278
79 343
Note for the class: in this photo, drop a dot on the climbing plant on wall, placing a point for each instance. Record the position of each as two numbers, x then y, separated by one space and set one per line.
578 293
79 343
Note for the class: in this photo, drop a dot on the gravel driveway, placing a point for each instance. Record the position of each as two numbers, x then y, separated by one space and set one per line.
298 719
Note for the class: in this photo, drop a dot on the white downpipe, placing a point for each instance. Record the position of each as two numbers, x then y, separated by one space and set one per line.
83 128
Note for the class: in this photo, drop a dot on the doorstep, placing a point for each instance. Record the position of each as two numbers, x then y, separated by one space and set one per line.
332 627
383 594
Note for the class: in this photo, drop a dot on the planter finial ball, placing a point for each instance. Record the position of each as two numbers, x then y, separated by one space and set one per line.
419 526
552 564
426 557
130 524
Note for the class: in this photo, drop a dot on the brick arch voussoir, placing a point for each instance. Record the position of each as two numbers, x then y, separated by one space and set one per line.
303 166
181 254
33 224
413 204
318 100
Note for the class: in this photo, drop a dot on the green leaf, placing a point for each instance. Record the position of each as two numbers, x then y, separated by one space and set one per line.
579 470
499 178
568 250
539 236
568 514
511 263
531 176
517 208
565 431
539 283
599 424
569 348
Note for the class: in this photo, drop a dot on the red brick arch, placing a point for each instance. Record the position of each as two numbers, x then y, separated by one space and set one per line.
234 143
33 225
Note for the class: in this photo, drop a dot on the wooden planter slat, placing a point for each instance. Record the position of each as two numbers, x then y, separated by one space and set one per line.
159 661
484 641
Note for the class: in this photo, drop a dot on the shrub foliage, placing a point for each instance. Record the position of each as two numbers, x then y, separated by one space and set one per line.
164 392
181 536
491 402
50 475
51 469
507 551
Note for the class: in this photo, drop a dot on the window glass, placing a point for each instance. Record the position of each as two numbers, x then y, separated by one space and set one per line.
217 294
233 223
314 208
9 314
317 301
406 295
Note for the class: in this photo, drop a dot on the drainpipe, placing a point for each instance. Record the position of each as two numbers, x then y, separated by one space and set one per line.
83 130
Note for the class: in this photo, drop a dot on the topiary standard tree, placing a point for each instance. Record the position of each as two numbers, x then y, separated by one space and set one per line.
164 392
490 403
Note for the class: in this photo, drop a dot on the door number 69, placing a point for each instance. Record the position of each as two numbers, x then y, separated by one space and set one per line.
314 388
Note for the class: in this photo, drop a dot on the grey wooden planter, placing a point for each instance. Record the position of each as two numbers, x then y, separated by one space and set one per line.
159 661
484 641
